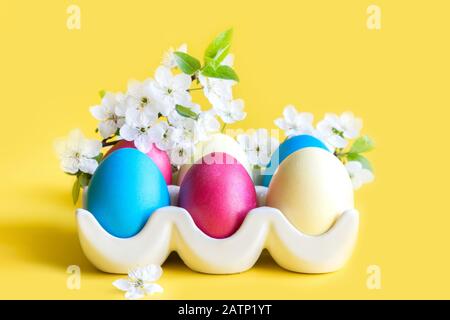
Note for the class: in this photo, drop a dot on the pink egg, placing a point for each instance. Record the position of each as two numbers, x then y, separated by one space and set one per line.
159 157
218 194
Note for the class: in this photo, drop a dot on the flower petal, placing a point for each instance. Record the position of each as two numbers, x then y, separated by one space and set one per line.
152 288
69 165
163 76
182 82
134 293
75 139
305 118
128 133
122 284
88 165
353 166
134 88
99 112
183 48
229 60
91 148
152 273
367 176
290 112
337 141
143 142
107 128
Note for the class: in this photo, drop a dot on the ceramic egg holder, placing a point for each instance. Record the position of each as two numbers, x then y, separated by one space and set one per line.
172 229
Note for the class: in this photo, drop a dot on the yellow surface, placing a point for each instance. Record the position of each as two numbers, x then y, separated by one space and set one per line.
318 55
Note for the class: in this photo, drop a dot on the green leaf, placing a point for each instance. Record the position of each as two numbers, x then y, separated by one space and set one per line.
362 144
363 160
99 157
101 93
222 54
76 191
219 47
83 179
186 112
187 63
221 72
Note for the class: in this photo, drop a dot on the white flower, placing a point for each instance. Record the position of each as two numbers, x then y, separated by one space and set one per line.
140 101
217 90
169 57
334 129
181 153
77 153
163 135
295 123
358 174
207 123
189 130
189 133
258 146
111 113
140 282
231 111
138 130
351 126
170 89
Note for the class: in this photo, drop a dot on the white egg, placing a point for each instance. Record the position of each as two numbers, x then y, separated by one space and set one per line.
312 189
217 143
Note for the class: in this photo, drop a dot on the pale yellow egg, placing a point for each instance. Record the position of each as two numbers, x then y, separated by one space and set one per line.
217 143
312 189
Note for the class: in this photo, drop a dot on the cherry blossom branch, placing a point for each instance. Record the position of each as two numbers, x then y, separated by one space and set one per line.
106 143
194 89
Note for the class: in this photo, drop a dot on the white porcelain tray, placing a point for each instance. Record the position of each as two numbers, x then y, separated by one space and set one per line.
172 229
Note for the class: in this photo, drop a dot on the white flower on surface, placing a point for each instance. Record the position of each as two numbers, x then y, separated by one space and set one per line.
295 123
140 101
110 113
140 282
258 146
77 153
170 89
169 57
358 174
231 111
335 130
138 130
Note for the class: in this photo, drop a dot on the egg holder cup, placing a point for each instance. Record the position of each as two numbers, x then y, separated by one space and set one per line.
171 228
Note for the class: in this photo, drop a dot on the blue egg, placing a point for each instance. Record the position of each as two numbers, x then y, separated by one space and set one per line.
124 191
285 149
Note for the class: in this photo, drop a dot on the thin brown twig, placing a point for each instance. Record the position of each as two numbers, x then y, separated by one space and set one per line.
106 143
194 89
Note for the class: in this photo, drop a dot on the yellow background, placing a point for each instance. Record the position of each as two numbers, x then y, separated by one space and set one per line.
318 55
